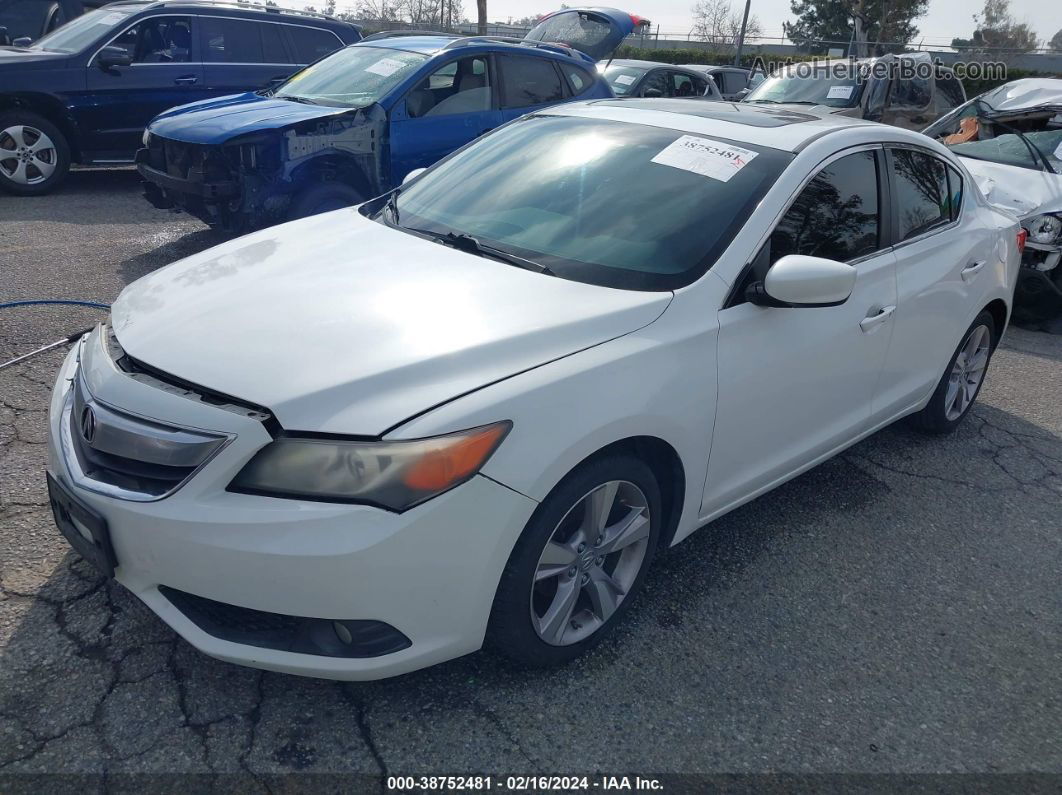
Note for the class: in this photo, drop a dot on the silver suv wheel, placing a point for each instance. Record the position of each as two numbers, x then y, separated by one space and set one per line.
27 155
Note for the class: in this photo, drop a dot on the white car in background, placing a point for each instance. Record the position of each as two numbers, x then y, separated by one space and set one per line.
372 440
1010 139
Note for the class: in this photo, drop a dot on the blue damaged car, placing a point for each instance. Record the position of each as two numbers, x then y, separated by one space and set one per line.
354 124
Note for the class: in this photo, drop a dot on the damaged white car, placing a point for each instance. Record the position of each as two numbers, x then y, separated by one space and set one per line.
1010 138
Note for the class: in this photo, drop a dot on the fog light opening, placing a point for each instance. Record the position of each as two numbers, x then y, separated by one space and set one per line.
342 633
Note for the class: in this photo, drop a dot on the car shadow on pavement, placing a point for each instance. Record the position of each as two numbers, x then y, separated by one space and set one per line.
131 269
90 679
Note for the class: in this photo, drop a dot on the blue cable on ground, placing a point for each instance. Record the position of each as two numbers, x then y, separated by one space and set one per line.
61 301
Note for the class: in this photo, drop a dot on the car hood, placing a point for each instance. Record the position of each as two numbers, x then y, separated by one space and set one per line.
1020 191
23 58
215 121
340 324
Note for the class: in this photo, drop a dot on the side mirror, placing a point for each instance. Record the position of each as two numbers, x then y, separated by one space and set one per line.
22 41
743 93
653 93
800 281
113 56
413 175
5 40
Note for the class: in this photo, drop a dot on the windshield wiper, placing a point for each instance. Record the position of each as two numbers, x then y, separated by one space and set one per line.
303 100
471 245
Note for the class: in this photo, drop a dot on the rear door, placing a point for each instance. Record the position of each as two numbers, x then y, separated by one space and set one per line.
166 71
597 32
527 83
242 54
944 257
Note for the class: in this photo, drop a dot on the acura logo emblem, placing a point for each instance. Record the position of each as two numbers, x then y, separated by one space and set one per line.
88 424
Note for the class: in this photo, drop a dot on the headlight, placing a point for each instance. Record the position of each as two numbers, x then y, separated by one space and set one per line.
145 139
393 475
1043 229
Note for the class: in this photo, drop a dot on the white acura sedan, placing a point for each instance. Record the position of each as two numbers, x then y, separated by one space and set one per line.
472 412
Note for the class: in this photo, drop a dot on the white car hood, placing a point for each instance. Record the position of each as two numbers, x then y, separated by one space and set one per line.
1020 191
340 324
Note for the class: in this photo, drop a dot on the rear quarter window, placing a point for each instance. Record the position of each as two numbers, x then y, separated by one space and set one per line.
309 44
578 79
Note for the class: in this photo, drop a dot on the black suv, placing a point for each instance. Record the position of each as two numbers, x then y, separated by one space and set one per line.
85 92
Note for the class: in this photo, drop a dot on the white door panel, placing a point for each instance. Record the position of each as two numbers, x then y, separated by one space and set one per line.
796 383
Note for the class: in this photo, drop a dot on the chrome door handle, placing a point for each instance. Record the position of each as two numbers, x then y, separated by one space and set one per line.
971 270
870 322
187 80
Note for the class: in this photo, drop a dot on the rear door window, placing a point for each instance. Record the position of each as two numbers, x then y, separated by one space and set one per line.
309 44
529 81
273 48
920 192
230 40
683 85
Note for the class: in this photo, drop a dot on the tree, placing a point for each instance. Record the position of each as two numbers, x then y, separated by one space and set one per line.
824 24
995 31
481 17
1056 42
382 10
715 21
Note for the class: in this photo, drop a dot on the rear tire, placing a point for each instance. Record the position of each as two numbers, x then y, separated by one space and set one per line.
323 198
34 154
568 582
962 380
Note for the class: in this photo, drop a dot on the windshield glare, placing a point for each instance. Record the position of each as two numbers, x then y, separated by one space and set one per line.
585 198
623 78
353 77
79 33
823 87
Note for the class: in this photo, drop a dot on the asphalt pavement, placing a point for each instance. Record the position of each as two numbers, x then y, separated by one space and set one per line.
897 609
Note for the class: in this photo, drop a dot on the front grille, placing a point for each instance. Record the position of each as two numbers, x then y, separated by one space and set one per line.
119 454
319 636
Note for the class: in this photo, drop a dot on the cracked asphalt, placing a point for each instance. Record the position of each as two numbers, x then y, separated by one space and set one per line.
897 609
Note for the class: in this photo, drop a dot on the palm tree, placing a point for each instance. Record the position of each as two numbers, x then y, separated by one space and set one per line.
481 8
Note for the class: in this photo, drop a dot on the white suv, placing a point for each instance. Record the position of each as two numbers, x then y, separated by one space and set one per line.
369 441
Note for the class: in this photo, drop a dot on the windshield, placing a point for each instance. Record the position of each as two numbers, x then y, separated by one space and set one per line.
354 77
610 203
24 17
1009 149
623 78
79 33
819 85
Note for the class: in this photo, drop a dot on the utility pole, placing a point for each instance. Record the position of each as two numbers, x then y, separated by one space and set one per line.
481 13
857 27
741 36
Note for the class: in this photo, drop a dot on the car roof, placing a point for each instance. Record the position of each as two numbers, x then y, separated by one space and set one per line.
256 9
713 68
433 44
776 128
1029 92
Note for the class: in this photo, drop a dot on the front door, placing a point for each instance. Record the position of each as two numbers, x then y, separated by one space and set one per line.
165 72
797 383
442 113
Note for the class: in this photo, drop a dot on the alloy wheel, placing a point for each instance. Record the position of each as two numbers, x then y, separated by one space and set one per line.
27 155
967 372
590 563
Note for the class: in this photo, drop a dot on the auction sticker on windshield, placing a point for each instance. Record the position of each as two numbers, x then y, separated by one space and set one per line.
840 92
625 80
385 67
707 158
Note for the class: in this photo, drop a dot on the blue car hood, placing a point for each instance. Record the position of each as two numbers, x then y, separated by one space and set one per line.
215 121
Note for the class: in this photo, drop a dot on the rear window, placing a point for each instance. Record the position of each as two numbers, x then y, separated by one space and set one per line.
611 203
312 43
529 81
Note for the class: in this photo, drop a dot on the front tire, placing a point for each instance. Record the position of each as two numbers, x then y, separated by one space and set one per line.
961 383
322 199
578 564
34 154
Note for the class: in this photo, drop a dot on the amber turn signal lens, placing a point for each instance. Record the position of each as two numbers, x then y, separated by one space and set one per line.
462 456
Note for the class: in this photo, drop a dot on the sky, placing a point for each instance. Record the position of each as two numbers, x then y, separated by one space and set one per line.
946 19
